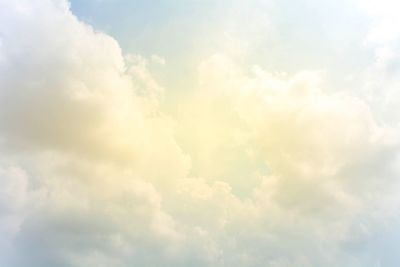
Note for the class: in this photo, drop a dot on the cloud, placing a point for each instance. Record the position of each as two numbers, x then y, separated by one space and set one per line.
383 38
67 87
77 129
95 173
328 162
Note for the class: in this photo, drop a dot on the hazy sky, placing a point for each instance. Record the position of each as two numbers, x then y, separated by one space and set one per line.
208 133
287 36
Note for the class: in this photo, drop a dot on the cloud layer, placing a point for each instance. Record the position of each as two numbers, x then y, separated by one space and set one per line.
256 169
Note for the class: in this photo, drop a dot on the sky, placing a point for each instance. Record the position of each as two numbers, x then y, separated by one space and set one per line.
199 133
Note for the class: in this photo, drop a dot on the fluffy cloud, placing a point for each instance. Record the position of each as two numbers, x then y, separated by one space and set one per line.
328 163
77 129
66 87
381 86
93 173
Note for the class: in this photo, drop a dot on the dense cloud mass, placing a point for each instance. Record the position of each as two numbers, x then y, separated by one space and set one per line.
94 172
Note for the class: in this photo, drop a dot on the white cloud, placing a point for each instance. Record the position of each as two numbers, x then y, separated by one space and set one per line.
92 175
70 109
329 162
66 87
383 38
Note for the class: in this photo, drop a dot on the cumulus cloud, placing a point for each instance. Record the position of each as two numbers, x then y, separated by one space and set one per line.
70 108
328 162
67 87
383 38
94 173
